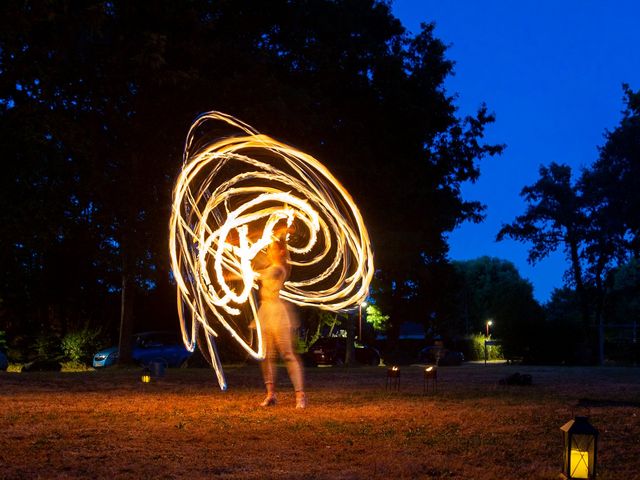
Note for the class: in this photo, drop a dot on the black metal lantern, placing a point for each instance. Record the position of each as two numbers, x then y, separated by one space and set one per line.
146 375
430 376
580 449
393 378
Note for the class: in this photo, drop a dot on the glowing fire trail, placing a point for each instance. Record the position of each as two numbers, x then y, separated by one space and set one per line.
232 197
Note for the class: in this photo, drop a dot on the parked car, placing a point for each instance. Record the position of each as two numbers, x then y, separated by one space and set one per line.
332 350
439 355
4 363
163 347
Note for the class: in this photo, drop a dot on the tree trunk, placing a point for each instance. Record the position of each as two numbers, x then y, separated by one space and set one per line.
599 325
577 277
126 316
583 297
127 238
349 358
601 341
599 310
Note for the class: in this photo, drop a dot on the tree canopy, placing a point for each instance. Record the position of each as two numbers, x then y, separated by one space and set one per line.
493 290
96 98
594 219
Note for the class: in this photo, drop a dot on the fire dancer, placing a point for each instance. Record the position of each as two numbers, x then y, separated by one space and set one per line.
278 321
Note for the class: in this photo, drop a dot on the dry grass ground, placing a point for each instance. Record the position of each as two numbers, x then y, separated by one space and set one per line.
106 424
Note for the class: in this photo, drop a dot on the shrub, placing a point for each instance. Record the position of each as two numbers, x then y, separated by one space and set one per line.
79 346
46 346
476 347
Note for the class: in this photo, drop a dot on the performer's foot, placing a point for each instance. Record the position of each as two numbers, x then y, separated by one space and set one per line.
301 400
269 401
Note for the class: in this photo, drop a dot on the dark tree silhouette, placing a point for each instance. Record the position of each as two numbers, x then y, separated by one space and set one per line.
554 218
594 219
492 289
611 191
96 97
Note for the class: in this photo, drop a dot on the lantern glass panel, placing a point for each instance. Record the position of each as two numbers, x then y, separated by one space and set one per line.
581 461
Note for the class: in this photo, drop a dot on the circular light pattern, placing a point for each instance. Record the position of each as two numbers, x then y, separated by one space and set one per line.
234 195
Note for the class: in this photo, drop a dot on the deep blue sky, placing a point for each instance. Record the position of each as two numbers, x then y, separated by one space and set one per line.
552 72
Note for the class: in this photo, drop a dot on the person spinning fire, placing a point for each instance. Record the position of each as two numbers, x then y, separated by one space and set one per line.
278 321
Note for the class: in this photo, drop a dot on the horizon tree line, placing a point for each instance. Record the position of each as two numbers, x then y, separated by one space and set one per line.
96 98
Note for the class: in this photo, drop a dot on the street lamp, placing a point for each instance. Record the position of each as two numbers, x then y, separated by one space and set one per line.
489 323
360 305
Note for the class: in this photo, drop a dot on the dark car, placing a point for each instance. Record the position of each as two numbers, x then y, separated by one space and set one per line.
332 350
163 347
439 355
4 363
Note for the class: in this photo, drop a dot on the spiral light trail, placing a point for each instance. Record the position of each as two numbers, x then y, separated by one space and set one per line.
233 196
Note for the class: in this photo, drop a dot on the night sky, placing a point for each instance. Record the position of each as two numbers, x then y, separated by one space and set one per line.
552 72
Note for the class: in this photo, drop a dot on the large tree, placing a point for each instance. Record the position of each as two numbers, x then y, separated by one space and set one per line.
594 219
611 189
557 216
111 87
612 184
492 289
554 218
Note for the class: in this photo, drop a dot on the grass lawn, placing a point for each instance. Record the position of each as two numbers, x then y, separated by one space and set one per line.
107 424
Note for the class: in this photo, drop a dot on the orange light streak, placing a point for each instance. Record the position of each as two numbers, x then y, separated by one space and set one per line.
232 197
